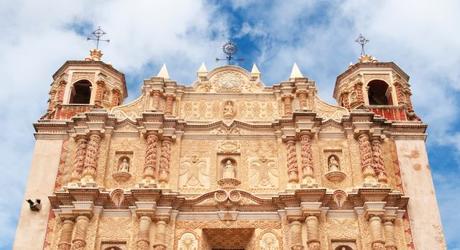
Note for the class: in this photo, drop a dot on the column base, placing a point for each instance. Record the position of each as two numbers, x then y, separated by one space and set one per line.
297 247
159 247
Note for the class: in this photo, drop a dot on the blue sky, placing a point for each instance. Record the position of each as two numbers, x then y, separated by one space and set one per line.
420 36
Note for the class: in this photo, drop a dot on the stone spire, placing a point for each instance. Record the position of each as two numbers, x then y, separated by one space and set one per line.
295 72
163 72
202 71
255 71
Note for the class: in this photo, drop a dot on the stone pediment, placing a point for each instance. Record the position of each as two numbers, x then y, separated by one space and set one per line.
229 79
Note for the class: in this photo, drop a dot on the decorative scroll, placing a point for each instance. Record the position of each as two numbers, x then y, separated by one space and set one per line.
329 112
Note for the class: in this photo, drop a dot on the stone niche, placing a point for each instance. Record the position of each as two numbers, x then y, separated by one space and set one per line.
122 169
333 163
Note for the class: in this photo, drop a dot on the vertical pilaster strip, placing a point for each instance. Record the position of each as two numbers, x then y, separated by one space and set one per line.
313 233
169 104
302 95
99 93
81 228
156 99
293 169
377 161
365 151
163 173
92 153
359 94
143 237
287 101
66 235
150 166
116 97
308 177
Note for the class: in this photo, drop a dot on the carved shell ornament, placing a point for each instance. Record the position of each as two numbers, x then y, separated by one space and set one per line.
117 196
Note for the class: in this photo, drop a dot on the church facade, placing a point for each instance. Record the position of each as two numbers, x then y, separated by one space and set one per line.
229 163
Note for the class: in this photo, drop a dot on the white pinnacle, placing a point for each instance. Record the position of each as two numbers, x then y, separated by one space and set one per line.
295 73
163 72
202 69
255 70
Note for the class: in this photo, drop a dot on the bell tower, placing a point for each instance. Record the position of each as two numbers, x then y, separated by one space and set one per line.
381 87
80 85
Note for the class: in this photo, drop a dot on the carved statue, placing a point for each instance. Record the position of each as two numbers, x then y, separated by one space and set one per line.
229 170
229 111
333 164
124 165
188 241
269 242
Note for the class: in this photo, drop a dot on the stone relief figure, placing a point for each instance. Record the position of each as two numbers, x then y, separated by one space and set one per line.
124 165
333 163
229 170
269 242
263 172
193 172
188 241
229 110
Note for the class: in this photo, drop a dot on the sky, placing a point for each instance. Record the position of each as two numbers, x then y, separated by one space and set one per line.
420 36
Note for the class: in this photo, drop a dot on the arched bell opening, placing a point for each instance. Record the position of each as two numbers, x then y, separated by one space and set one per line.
379 93
81 92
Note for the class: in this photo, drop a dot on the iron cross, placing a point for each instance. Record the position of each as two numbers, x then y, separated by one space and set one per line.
96 36
362 41
229 50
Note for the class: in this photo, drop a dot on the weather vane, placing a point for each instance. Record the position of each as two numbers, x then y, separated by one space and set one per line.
362 41
229 49
96 36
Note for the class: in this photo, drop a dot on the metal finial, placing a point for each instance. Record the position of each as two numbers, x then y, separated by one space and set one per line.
362 41
96 36
229 50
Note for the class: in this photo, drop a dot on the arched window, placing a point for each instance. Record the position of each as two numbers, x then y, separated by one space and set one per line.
81 92
379 93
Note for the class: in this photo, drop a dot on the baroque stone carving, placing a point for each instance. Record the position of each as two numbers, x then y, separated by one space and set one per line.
293 170
229 110
92 152
150 164
228 147
228 170
263 172
377 161
117 196
79 238
188 241
269 241
365 151
334 173
163 174
194 172
308 177
329 112
79 160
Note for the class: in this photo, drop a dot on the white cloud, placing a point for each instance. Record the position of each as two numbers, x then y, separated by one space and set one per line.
39 36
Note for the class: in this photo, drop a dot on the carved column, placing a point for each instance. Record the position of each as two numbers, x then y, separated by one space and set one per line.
389 228
150 166
163 173
295 234
400 94
375 224
66 234
169 104
143 237
287 101
377 161
302 95
92 153
365 151
308 177
293 170
160 237
313 233
79 160
99 93
79 238
116 97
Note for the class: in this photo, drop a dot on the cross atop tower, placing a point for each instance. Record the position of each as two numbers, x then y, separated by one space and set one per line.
96 36
229 50
362 41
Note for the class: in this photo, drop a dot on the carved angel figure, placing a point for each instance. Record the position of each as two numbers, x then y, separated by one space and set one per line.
264 172
269 242
192 172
